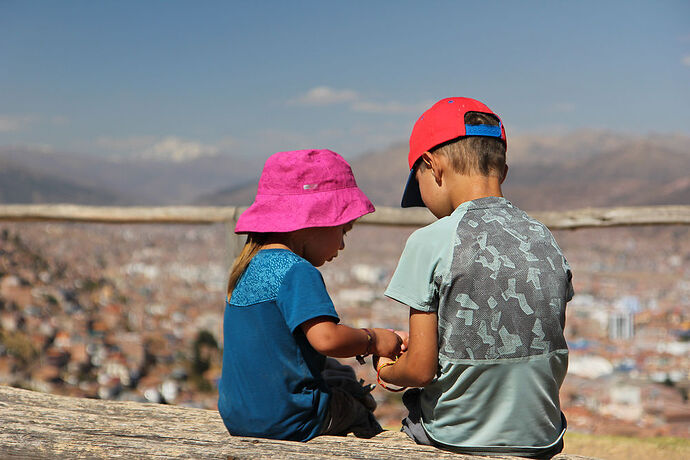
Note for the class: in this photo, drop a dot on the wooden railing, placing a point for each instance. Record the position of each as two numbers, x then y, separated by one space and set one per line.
416 217
388 216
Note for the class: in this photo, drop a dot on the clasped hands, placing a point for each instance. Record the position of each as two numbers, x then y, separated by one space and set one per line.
402 339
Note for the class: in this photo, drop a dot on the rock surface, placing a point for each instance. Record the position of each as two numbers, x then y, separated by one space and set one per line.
37 426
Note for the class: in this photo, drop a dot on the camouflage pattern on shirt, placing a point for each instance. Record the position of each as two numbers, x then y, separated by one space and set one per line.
505 293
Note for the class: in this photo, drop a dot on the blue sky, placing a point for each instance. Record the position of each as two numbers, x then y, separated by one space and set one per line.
179 79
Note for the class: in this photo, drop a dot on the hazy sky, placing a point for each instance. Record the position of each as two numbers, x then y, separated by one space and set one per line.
178 79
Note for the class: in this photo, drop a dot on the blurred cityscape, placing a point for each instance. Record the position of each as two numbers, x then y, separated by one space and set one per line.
134 312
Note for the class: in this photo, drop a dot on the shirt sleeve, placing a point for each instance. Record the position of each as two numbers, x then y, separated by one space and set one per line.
303 296
414 282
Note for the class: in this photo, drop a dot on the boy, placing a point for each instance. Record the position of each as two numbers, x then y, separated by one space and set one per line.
487 288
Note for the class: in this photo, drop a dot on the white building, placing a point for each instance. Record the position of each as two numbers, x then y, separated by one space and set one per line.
621 325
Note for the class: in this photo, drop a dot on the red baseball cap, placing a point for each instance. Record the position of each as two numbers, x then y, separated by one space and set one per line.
443 122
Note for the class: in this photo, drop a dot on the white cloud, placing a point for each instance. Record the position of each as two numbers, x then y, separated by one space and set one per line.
686 60
12 123
176 149
127 144
325 95
170 148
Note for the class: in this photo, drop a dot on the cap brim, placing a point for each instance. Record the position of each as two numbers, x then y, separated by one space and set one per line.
412 196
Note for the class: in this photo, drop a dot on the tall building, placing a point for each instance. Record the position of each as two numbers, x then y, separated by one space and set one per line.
621 325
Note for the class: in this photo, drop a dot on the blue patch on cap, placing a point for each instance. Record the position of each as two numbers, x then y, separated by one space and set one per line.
483 130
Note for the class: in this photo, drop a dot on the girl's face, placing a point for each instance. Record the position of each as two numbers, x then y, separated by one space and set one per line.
321 244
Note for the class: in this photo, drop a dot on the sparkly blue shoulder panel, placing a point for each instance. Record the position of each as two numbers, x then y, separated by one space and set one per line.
262 279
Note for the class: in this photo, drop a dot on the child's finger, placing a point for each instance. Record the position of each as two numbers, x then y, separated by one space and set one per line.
405 337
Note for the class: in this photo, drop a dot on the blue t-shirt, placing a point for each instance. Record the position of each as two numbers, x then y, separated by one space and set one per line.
271 384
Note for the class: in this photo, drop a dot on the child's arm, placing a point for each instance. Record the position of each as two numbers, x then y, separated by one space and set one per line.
340 341
418 365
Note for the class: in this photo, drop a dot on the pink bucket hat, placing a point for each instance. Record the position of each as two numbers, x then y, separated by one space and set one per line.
301 189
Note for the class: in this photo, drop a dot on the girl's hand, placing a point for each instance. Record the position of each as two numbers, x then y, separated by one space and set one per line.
405 336
388 343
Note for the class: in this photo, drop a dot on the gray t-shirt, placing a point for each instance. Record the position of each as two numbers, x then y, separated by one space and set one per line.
499 284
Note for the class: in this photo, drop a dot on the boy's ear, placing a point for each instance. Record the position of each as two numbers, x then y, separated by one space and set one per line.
505 173
433 162
426 158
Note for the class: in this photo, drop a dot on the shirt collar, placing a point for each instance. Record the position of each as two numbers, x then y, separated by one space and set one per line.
483 203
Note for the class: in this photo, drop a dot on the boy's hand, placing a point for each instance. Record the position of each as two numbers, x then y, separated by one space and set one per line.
381 361
388 343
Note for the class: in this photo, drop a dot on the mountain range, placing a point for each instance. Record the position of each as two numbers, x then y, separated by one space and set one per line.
61 177
575 170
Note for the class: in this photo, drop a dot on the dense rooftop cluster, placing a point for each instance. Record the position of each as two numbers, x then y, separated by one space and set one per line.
135 312
101 312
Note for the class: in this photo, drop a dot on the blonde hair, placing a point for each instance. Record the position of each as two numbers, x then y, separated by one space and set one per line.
251 247
255 241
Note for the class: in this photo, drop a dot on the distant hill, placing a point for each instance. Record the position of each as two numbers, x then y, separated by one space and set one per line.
582 169
235 195
633 173
377 173
127 181
22 185
574 170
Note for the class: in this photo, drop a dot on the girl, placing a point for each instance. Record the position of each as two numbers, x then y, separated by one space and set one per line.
280 323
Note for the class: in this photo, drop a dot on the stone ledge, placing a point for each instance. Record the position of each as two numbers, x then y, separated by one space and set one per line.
37 426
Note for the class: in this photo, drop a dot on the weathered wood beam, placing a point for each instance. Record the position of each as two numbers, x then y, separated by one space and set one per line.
119 214
615 217
38 426
556 220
